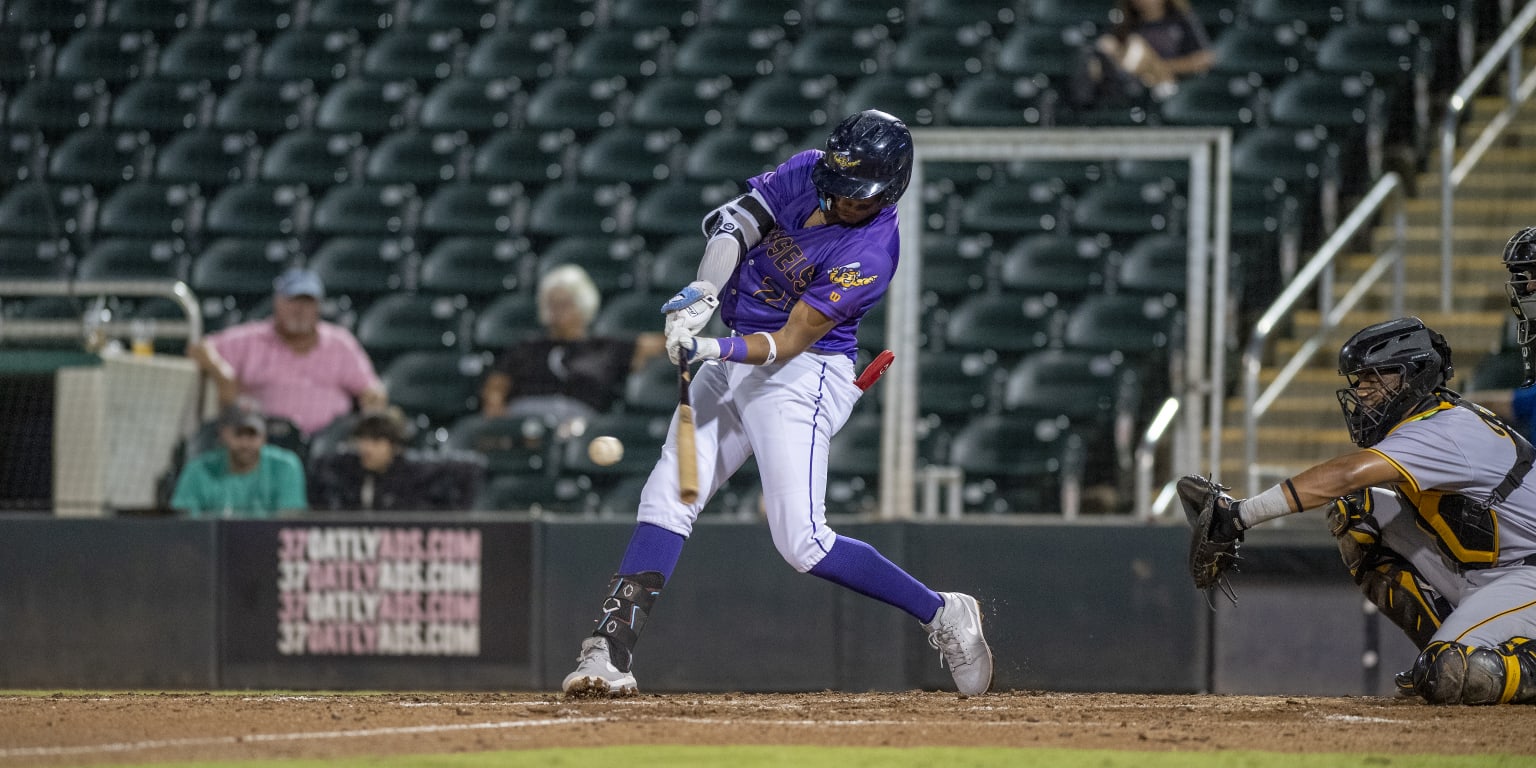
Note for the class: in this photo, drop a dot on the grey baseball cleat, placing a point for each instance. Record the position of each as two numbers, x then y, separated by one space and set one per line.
956 632
596 675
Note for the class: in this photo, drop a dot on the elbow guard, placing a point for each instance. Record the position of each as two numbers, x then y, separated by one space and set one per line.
744 219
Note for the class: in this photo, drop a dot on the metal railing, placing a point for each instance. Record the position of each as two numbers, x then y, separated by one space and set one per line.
38 328
1452 173
1320 271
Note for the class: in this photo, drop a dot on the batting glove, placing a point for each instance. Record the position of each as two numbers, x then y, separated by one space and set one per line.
691 308
682 345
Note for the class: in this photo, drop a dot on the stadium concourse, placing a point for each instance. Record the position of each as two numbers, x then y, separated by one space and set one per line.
431 158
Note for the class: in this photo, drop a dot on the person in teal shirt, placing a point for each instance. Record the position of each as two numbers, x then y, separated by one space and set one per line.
244 477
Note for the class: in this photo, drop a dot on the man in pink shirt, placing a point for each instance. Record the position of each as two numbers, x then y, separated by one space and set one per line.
296 365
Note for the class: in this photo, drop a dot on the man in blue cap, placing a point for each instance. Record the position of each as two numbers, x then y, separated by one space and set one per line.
296 365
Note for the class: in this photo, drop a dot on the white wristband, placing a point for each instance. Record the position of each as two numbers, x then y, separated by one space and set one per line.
1268 505
773 347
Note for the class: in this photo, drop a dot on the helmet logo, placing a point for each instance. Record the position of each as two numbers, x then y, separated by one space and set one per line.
843 161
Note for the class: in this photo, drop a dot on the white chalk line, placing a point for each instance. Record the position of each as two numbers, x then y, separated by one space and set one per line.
133 746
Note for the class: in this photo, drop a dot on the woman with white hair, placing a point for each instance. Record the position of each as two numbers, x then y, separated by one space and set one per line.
566 372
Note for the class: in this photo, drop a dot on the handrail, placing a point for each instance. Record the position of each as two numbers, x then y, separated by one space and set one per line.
175 290
1452 173
1319 267
1146 457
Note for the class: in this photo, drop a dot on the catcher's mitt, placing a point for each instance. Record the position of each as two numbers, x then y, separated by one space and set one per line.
1215 538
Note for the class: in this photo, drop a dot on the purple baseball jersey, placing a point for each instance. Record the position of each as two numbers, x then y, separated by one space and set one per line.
840 271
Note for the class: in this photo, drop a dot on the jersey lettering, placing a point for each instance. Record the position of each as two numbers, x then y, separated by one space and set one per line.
773 295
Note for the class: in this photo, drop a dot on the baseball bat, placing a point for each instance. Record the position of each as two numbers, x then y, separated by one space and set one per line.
687 454
876 368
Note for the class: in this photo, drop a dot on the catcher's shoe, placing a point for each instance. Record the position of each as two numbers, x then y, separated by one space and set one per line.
956 632
596 675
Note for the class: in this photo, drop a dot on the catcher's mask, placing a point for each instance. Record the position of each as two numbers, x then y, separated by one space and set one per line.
1404 358
1520 260
868 154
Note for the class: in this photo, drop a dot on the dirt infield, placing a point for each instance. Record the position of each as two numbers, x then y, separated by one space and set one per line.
74 729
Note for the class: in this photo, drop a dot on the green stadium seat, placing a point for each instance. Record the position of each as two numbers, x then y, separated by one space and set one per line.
471 16
508 320
373 210
678 207
412 54
617 52
786 102
853 467
21 56
472 209
555 14
475 106
575 209
1099 396
1296 155
953 54
20 153
609 262
261 16
952 385
262 210
1041 51
477 267
36 209
1155 265
686 104
33 259
653 388
361 268
1314 17
673 265
414 157
310 157
1088 15
911 99
671 15
442 386
217 56
368 107
845 53
149 209
1013 207
60 17
310 54
1271 53
370 17
54 107
523 54
641 434
1219 100
1124 208
859 13
110 55
535 493
1430 15
739 53
987 100
628 315
1018 463
210 159
779 14
132 259
531 158
1066 265
263 107
732 155
997 13
1007 325
402 322
101 158
1138 327
160 16
572 103
243 269
512 446
631 155
160 106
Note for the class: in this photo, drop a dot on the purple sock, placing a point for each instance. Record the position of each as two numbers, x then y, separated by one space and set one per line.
652 548
857 566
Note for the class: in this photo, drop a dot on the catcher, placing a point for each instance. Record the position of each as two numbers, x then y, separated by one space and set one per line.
1433 518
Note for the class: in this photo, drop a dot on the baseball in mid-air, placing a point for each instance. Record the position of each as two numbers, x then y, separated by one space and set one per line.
605 450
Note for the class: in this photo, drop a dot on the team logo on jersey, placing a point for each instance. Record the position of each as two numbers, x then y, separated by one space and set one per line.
849 276
842 160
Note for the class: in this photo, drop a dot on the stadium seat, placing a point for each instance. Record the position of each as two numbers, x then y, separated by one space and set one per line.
1099 396
1142 328
576 209
1170 175
1155 265
22 56
60 17
367 107
1002 102
631 155
952 53
1009 325
732 155
36 209
911 99
955 384
780 14
20 152
608 261
1041 51
555 14
641 434
786 102
653 388
628 315
537 494
1066 265
853 466
1313 17
1349 106
1074 176
309 157
671 15
846 53
1013 207
33 259
475 106
1019 463
209 159
511 445
101 158
617 52
686 104
262 210
361 268
54 107
149 209
675 264
477 267
160 106
159 16
859 13
531 158
243 269
1088 15
412 54
1296 155
740 53
309 54
442 386
1271 53
524 54
1124 208
414 157
678 207
471 16
263 107
376 210
370 17
211 55
568 103
132 258
1219 100
508 320
472 209
402 322
264 17
109 55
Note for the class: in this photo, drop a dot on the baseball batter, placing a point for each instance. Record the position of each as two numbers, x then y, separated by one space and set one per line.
792 266
1435 516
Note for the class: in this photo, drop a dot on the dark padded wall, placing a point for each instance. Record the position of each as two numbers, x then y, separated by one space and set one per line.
107 603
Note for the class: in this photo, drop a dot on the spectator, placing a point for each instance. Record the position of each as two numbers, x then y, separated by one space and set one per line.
244 477
295 364
379 474
1158 41
566 372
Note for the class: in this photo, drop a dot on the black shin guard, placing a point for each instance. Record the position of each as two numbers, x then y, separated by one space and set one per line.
1452 673
630 597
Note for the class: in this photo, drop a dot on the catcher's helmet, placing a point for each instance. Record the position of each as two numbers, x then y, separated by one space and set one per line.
1520 260
1418 358
868 154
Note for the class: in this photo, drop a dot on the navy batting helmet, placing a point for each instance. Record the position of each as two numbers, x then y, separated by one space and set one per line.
1409 362
868 154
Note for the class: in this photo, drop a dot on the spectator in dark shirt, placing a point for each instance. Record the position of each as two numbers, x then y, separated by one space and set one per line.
380 474
1157 41
567 372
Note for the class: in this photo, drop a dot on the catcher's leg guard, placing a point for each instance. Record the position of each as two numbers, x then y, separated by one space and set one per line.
1452 673
1388 580
630 597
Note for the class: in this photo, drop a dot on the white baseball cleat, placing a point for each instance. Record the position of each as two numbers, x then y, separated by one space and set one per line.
596 675
956 632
